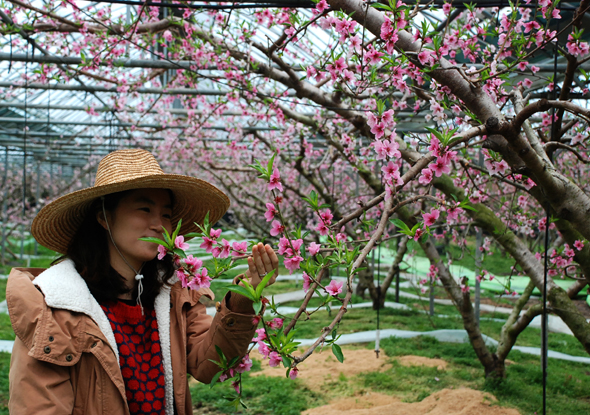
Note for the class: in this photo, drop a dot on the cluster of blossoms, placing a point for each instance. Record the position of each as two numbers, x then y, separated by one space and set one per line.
391 176
190 270
543 224
495 165
389 30
244 366
528 183
222 249
577 48
290 250
261 340
339 70
325 221
383 126
562 259
442 164
431 276
483 275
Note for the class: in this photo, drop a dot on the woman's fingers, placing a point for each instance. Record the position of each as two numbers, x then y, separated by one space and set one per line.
262 261
266 260
274 259
252 269
257 254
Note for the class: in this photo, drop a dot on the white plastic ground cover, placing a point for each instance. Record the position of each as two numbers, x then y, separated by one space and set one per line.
449 336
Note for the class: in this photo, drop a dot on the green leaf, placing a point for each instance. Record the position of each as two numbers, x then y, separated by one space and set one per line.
234 361
249 287
153 240
400 224
221 355
215 378
436 133
242 291
286 362
263 283
167 238
380 6
338 352
312 199
257 305
217 363
192 235
206 221
179 252
177 230
270 164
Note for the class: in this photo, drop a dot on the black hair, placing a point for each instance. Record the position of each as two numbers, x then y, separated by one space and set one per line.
89 251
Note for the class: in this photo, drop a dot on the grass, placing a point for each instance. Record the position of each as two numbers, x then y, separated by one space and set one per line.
4 368
262 395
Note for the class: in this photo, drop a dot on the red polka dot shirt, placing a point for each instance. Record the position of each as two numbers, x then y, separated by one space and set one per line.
140 356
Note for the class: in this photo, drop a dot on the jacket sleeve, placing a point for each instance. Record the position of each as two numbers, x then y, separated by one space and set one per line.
38 387
231 330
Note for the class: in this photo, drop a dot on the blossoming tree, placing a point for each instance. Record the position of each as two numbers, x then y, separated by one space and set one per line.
337 129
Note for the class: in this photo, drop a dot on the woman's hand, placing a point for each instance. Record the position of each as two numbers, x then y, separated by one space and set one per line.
262 261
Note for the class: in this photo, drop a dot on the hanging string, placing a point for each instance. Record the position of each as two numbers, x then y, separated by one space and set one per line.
24 183
10 59
378 333
48 116
138 275
544 328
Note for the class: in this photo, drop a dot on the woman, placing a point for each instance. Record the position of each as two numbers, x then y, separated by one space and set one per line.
109 329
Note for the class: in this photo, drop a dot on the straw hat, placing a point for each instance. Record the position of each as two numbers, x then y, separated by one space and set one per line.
56 224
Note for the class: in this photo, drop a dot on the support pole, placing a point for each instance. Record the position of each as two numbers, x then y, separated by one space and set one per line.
397 272
4 205
478 255
432 285
37 198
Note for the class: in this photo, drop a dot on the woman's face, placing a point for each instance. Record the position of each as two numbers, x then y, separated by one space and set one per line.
141 213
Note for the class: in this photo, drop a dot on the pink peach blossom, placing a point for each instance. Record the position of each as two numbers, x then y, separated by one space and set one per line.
313 248
161 252
271 211
430 218
335 287
180 244
277 228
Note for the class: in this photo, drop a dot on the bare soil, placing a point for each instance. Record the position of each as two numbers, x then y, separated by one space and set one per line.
461 401
422 361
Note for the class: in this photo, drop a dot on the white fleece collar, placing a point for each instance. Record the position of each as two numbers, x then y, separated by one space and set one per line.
162 307
64 288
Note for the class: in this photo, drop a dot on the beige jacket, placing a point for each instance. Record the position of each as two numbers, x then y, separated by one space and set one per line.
65 358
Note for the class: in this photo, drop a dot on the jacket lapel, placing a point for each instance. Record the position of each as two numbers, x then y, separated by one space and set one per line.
64 288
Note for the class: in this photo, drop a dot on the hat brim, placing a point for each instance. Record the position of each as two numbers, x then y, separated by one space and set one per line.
56 223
